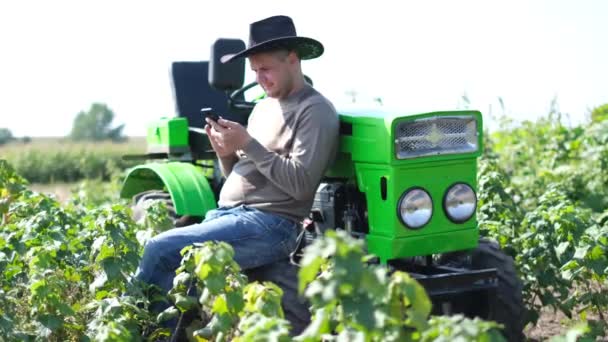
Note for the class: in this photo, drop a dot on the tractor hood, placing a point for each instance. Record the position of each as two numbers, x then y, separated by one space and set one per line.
383 137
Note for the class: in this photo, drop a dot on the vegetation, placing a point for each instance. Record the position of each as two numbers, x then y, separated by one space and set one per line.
5 136
600 113
543 195
96 125
67 276
48 160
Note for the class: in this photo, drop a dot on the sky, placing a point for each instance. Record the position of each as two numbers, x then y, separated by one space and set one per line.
58 57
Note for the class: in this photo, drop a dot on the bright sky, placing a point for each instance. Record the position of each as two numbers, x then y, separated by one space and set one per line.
57 57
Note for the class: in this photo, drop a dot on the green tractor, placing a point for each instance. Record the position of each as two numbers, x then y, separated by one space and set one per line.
404 183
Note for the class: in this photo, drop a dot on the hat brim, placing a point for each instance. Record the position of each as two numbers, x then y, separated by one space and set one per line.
307 48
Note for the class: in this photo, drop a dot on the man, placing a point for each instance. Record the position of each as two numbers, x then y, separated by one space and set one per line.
273 167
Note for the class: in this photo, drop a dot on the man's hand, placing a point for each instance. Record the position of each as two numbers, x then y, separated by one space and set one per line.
226 136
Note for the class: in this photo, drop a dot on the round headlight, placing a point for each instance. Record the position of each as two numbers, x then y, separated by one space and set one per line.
415 208
460 202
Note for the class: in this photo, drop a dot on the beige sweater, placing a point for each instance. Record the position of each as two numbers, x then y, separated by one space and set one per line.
294 141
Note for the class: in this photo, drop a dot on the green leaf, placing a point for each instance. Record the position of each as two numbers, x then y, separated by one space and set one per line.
97 244
219 305
184 302
113 332
65 309
205 333
224 253
257 327
215 283
414 294
203 270
205 297
596 253
99 282
221 323
235 302
318 326
112 268
160 334
53 322
182 280
308 272
581 252
561 248
39 288
362 310
169 313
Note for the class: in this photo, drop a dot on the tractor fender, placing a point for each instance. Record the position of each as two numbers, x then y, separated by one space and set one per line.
189 189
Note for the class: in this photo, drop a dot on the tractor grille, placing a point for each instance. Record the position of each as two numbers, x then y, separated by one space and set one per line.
436 136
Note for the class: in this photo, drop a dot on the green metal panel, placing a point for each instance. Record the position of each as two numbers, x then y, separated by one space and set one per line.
370 139
343 167
387 248
435 177
189 189
168 134
370 148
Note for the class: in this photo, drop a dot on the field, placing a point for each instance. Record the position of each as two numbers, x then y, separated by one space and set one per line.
50 160
542 194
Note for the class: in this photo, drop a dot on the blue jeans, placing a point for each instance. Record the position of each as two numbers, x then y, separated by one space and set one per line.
258 238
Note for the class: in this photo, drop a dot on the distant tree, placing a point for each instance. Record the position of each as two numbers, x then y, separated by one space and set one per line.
96 124
599 113
5 135
352 94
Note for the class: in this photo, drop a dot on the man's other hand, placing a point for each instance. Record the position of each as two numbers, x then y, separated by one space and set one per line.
226 136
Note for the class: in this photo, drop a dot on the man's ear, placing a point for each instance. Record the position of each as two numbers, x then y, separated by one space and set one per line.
292 57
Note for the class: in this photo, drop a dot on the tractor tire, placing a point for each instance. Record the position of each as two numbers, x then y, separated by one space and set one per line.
505 306
143 199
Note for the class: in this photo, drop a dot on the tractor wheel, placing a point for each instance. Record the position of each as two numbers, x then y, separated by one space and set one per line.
505 306
143 199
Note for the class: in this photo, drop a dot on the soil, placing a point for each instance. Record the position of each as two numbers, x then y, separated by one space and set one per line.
549 324
63 191
552 324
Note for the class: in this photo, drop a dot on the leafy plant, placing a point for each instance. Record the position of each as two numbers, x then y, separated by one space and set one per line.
209 286
355 300
67 268
543 190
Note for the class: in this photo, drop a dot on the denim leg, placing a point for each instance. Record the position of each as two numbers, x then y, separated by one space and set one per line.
258 238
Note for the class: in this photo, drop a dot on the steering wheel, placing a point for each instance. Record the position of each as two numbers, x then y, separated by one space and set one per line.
237 97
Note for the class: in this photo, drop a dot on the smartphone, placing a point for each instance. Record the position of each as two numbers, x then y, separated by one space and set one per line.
209 114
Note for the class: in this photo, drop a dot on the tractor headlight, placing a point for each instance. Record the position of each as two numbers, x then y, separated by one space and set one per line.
460 202
415 208
436 135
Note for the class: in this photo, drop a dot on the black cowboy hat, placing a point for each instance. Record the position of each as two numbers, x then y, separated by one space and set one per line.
275 33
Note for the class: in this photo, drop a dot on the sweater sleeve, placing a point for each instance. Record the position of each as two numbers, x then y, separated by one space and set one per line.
299 172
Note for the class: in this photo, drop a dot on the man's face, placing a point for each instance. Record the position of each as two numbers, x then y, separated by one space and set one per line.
274 72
